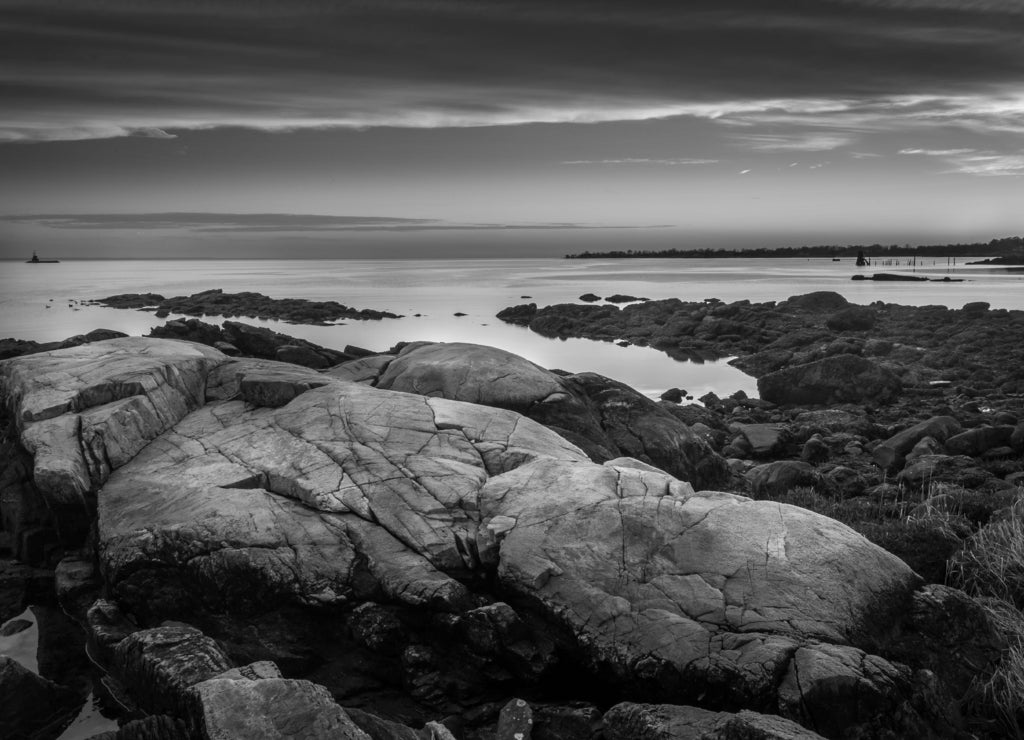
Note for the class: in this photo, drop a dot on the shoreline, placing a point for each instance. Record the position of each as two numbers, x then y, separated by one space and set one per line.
887 466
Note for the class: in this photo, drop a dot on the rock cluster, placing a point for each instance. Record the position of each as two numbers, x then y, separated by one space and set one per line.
17 347
237 339
252 305
275 543
976 348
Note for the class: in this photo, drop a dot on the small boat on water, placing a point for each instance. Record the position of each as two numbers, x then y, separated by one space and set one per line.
36 261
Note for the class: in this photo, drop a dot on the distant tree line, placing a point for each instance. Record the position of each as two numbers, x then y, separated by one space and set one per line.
1007 246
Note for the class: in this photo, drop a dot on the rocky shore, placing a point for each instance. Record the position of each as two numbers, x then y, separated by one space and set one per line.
975 347
445 540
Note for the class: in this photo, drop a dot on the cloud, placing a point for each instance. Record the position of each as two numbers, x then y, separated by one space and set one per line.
937 152
809 142
152 132
643 160
1008 7
989 165
974 162
125 68
277 223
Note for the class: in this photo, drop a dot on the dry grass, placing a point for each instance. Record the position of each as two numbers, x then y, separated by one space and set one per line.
990 566
991 562
1000 696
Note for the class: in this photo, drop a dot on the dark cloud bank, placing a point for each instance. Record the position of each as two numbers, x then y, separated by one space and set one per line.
99 69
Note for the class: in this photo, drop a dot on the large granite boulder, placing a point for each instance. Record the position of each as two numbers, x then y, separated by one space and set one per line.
605 418
86 410
323 495
841 378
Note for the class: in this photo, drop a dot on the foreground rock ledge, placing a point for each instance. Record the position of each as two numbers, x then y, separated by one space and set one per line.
239 488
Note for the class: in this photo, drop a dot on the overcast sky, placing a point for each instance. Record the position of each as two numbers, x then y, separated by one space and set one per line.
500 127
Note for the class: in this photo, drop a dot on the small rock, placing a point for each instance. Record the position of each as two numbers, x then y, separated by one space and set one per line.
764 439
15 626
815 450
891 454
776 478
106 626
227 348
674 395
515 721
927 446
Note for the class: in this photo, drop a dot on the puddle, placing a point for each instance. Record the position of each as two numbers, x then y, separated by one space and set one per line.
53 646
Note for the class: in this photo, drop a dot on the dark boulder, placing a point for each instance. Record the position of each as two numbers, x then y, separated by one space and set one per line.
978 440
235 338
299 355
854 318
833 688
30 705
952 635
96 335
673 395
836 379
764 439
930 469
821 301
781 476
521 315
153 727
891 453
815 450
159 665
628 721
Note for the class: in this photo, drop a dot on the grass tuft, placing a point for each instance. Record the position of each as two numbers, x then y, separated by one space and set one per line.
990 567
991 562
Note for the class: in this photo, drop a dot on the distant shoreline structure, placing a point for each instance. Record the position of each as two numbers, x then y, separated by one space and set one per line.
36 261
1008 246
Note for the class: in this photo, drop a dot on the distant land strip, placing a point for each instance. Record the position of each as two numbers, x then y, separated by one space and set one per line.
1007 246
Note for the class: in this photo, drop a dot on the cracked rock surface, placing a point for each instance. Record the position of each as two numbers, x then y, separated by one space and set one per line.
607 419
245 486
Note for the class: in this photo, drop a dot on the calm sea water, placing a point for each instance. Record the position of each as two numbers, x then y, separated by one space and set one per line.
437 289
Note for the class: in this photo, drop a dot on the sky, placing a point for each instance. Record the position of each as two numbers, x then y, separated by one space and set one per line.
495 128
